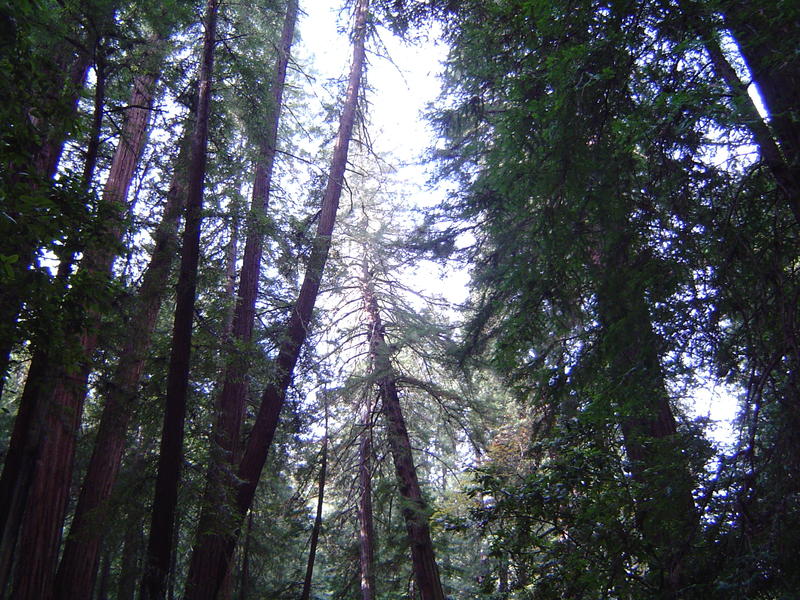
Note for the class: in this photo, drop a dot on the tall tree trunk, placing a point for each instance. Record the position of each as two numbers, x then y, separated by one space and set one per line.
62 408
779 140
78 564
36 173
665 510
162 524
212 558
215 515
132 551
312 550
244 580
366 529
93 146
415 510
105 576
766 34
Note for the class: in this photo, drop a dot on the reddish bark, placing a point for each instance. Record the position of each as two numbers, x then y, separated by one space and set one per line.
212 558
34 175
42 166
415 510
42 524
78 564
162 524
231 403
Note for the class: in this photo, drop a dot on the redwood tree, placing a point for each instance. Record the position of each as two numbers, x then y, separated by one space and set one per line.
414 507
211 559
78 564
232 400
52 409
162 525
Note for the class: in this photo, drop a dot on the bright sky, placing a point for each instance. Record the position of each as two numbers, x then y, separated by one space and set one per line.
400 91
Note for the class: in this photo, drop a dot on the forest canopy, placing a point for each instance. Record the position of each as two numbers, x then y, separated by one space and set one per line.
231 362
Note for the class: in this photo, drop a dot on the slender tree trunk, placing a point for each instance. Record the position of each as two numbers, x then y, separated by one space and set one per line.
49 488
366 529
778 140
93 146
78 563
132 551
766 34
212 558
160 548
105 576
244 582
312 551
415 510
215 516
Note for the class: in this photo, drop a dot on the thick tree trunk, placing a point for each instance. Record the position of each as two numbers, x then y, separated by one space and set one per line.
42 524
221 483
162 525
36 173
366 529
78 564
212 558
415 510
665 510
312 551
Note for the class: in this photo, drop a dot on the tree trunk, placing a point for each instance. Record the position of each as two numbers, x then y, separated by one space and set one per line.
766 34
78 563
105 576
215 515
212 558
244 581
93 146
665 510
49 488
160 546
366 529
132 550
779 140
415 510
33 175
312 551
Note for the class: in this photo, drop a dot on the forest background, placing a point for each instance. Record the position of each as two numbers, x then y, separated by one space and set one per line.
227 372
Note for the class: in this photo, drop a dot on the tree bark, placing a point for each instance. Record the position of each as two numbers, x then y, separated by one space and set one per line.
78 564
779 139
244 580
414 509
213 557
215 515
162 524
62 408
132 550
32 176
767 38
366 529
312 551
665 512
